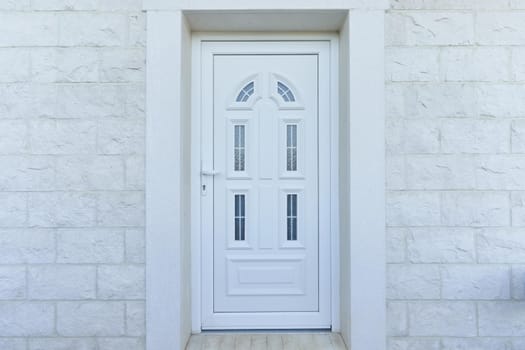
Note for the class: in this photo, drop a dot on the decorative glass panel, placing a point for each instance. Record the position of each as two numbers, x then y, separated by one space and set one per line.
239 149
291 217
285 92
246 92
240 217
291 147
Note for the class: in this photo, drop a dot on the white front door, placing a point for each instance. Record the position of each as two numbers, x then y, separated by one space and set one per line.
261 182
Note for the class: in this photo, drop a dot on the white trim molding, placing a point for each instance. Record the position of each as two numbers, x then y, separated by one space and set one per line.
358 26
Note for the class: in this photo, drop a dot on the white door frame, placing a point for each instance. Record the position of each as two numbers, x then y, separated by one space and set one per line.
170 27
326 47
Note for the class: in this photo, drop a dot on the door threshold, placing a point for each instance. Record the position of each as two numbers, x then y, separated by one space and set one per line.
267 340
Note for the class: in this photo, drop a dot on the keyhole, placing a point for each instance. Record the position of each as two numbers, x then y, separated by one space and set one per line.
203 188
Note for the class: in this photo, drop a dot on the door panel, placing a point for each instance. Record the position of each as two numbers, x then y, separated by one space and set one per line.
266 205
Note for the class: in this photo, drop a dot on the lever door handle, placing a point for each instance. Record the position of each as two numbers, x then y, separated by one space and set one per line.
209 172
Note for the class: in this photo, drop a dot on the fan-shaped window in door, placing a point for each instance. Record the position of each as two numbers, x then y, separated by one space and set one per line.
285 92
246 92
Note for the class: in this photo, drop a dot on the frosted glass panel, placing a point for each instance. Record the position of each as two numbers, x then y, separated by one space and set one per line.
291 217
239 149
291 147
240 217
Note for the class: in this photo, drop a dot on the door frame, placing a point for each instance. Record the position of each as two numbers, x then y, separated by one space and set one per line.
170 27
326 46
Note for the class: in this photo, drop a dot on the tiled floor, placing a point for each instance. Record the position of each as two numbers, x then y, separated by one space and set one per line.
264 341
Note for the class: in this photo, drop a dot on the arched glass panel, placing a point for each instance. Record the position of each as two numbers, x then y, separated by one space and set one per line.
285 92
246 92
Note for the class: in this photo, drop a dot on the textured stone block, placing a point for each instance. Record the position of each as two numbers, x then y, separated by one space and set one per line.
120 5
122 65
413 282
396 245
13 136
440 100
442 318
395 168
121 344
518 208
13 344
22 319
135 173
408 64
500 172
90 246
27 100
518 282
65 65
413 208
450 4
17 5
439 172
121 137
64 5
12 282
439 28
502 28
475 282
15 65
62 209
91 101
475 136
18 246
518 62
137 29
136 318
92 29
135 246
14 209
501 100
413 344
501 246
90 173
90 318
62 344
121 209
518 136
23 173
135 100
441 245
62 282
476 344
28 29
420 136
121 282
63 136
397 318
501 319
475 64
476 209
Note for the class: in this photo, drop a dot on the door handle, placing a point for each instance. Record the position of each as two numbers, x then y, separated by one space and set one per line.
209 172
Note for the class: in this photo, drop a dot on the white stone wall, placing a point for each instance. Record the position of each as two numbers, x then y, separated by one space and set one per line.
71 174
456 174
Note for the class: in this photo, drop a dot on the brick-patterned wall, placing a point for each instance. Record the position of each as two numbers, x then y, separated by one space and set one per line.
71 174
456 174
